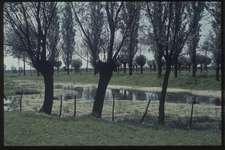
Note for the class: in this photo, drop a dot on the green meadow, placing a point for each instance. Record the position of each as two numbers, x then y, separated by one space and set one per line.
29 128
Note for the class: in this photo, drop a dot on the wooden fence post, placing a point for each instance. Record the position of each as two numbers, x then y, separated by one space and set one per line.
193 102
74 106
60 107
145 112
21 100
113 107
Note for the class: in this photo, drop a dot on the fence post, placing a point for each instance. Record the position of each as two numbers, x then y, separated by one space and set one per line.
21 100
113 107
60 107
193 102
74 106
145 112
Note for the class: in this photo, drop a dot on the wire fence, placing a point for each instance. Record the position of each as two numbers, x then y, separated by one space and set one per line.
176 115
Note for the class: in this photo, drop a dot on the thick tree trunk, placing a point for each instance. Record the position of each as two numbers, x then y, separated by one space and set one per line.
159 69
163 94
105 70
47 73
159 66
58 70
150 68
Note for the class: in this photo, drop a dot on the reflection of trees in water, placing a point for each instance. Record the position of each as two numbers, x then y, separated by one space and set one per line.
140 95
80 91
93 92
88 93
129 95
117 93
217 102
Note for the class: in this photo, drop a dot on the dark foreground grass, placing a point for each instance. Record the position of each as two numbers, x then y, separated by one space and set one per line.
31 129
202 81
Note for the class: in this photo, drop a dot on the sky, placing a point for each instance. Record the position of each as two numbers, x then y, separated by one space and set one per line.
9 60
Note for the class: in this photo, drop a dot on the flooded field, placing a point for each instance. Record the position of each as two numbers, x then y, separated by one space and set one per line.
130 104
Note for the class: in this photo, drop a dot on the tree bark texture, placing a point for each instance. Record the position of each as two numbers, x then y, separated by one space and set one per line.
163 94
159 65
46 68
105 72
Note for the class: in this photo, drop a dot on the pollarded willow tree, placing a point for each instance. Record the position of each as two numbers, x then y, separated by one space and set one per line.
112 12
30 22
141 60
171 42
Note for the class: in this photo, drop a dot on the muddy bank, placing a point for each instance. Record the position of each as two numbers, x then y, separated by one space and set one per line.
40 86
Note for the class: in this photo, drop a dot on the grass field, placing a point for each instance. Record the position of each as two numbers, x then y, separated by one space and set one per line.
28 128
31 129
203 81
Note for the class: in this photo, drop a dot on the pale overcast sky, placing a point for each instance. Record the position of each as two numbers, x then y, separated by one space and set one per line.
9 61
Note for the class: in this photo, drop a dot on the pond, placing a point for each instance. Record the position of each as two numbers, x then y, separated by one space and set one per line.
88 93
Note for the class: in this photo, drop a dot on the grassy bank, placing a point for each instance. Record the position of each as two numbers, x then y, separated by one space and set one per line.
203 81
31 129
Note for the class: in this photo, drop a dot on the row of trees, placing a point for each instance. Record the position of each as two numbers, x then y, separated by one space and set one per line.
171 25
185 62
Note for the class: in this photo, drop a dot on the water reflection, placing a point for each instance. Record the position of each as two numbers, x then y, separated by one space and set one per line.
88 93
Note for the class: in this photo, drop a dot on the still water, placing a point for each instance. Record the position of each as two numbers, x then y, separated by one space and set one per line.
88 93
